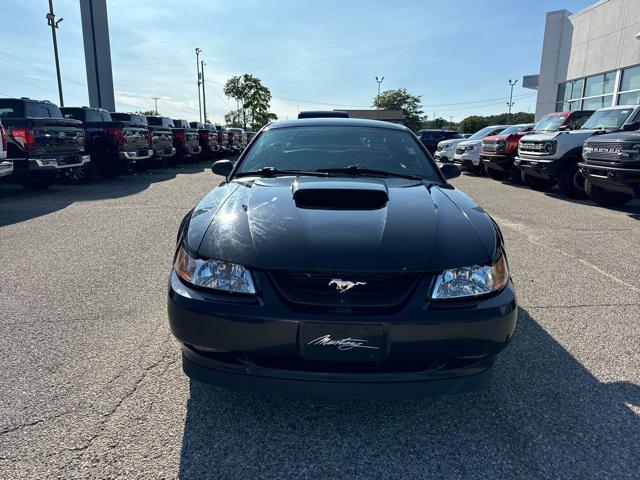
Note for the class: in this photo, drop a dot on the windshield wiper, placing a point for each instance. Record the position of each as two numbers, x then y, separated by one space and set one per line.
356 170
272 172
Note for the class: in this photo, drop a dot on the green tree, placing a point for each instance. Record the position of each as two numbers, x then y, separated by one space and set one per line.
147 113
401 99
253 100
475 122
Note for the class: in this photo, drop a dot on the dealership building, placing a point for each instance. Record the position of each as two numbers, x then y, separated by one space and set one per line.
590 59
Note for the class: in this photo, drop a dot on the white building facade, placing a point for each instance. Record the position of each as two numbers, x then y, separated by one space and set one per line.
590 59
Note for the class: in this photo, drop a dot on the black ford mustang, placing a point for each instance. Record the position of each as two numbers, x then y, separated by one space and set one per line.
335 260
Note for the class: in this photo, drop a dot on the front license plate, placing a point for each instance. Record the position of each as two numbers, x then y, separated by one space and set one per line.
340 342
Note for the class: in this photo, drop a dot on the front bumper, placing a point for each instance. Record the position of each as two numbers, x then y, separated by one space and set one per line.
255 344
54 163
136 155
6 168
467 160
501 162
623 180
444 156
539 167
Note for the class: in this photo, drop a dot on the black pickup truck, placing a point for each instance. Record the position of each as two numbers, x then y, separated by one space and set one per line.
186 140
113 144
161 129
208 139
611 166
41 142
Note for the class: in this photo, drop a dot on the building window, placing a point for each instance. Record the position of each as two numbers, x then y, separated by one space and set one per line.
588 93
630 87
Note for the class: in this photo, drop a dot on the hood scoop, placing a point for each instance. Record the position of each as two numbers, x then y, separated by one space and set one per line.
339 194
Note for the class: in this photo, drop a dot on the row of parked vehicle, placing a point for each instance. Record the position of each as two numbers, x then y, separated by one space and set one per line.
40 141
593 154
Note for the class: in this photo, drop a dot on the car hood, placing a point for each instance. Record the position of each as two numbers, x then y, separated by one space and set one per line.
452 142
504 138
572 134
617 137
259 223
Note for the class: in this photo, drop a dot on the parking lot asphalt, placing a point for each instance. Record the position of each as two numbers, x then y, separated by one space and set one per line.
91 384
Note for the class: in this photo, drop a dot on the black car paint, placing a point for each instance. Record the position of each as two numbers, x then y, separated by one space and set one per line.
613 171
423 229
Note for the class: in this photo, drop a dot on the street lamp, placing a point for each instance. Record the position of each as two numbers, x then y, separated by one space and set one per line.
51 21
198 50
379 80
510 104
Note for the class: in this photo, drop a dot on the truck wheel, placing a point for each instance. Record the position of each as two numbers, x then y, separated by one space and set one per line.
516 177
36 180
110 169
605 198
495 174
536 183
571 182
79 175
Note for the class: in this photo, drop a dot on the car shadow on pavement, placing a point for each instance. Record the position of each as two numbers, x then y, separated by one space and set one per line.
18 204
545 416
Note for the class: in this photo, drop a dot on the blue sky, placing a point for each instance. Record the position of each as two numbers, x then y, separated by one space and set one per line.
329 52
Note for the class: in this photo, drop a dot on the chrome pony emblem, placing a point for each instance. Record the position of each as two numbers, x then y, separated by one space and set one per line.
344 285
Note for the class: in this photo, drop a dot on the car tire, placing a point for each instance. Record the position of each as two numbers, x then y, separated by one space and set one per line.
78 175
495 174
537 183
109 169
571 181
605 198
36 180
516 177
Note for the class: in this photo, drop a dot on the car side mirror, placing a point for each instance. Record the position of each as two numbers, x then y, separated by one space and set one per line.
564 128
222 167
631 127
449 170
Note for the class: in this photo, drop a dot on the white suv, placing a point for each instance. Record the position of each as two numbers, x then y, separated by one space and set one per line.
547 158
467 153
446 149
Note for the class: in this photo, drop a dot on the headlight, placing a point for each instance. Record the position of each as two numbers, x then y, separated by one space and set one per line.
213 274
471 281
468 148
549 147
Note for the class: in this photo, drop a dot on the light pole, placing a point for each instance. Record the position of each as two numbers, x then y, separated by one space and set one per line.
510 104
198 50
156 100
379 80
204 98
51 21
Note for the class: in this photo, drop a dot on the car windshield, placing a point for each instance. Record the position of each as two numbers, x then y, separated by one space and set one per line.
513 129
482 133
549 123
328 147
607 119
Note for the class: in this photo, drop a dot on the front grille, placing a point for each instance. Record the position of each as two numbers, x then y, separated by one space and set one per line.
607 151
492 147
320 288
535 147
460 150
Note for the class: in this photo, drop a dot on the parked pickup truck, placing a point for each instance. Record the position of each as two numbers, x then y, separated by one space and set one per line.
237 139
223 140
208 139
499 151
41 142
468 151
161 129
611 166
554 157
113 143
185 140
6 166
